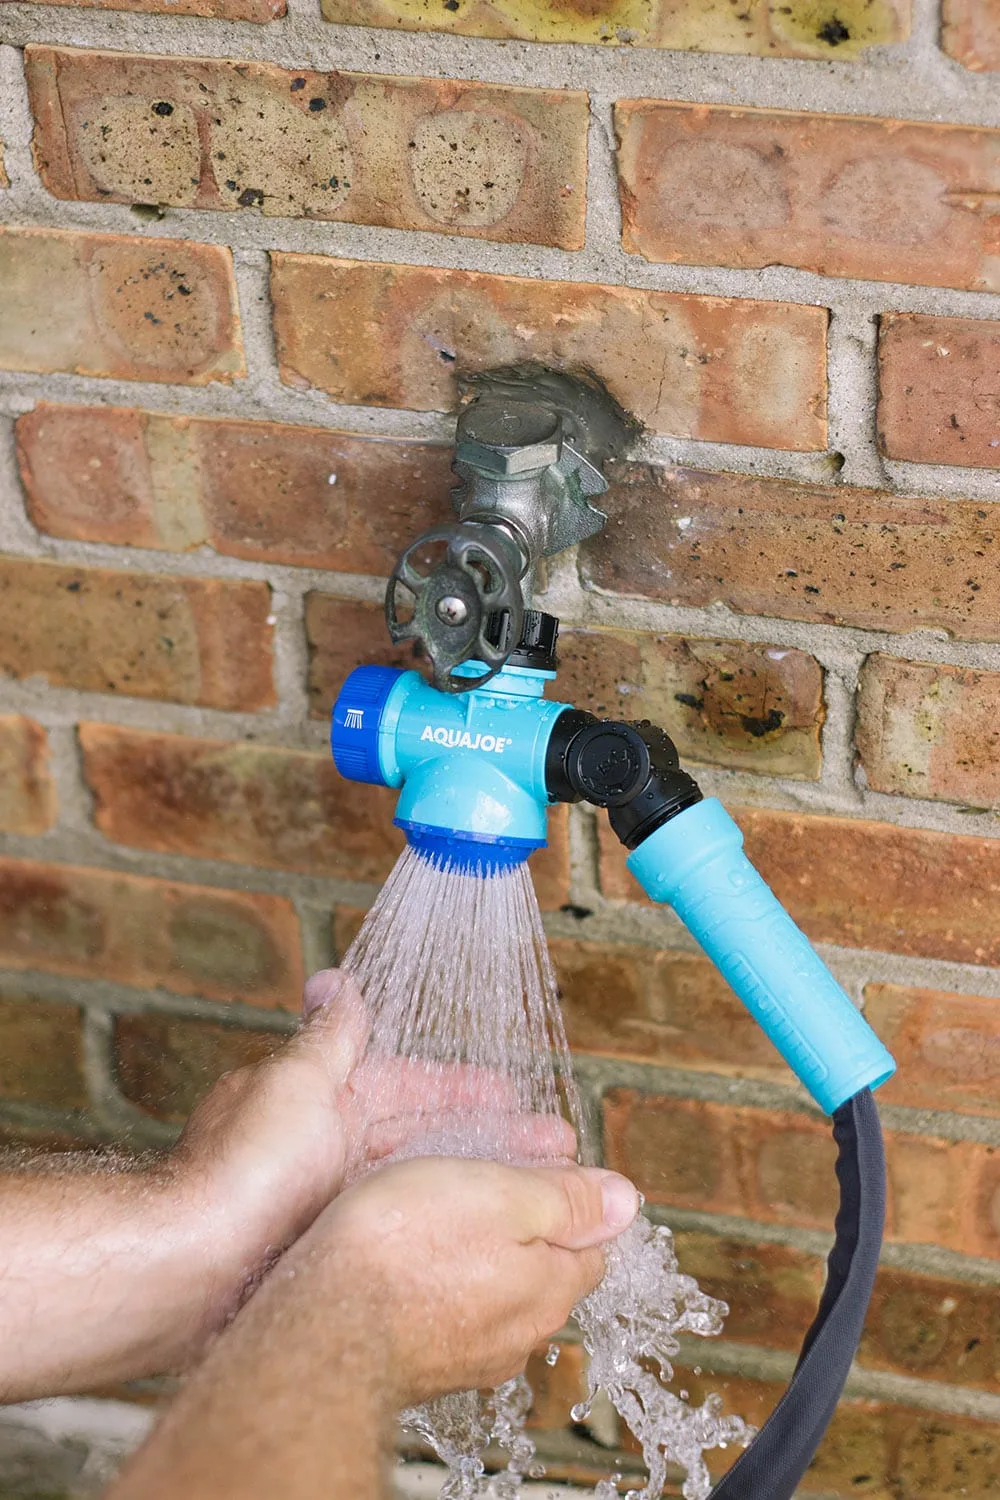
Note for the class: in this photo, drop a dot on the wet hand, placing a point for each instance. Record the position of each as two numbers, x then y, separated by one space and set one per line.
270 1145
468 1265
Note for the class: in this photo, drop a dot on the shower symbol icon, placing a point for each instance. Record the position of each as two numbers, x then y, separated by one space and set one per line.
354 719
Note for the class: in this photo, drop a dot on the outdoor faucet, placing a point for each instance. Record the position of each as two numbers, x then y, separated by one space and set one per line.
527 456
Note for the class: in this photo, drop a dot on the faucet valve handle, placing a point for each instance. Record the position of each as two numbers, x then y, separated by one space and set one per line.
456 578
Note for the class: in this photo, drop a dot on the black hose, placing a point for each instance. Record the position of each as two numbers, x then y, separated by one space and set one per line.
777 1458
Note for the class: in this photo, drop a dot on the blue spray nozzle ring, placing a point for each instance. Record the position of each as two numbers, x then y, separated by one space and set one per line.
471 853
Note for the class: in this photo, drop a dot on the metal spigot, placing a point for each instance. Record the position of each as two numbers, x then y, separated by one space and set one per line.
526 483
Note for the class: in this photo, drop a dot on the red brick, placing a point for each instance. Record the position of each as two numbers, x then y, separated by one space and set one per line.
727 703
793 30
344 634
189 640
886 200
235 800
970 32
96 924
556 1388
865 885
947 1047
801 552
921 1326
27 792
221 10
132 309
41 1053
937 377
257 805
724 702
872 1449
258 490
736 371
438 155
926 730
550 866
778 1168
165 1064
658 1006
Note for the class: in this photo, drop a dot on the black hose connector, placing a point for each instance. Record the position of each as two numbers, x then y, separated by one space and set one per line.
631 769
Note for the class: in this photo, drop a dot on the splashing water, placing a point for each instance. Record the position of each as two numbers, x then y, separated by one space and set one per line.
455 972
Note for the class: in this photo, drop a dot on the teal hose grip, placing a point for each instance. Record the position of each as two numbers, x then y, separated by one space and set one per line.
695 862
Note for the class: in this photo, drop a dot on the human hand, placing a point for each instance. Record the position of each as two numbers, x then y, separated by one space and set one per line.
467 1264
268 1148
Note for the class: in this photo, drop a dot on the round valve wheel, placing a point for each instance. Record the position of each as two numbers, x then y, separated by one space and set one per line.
453 600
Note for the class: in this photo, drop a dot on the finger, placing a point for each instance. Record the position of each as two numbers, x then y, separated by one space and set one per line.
513 1138
335 1031
581 1271
388 1087
574 1207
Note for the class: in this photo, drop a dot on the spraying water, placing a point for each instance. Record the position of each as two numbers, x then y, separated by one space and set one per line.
456 975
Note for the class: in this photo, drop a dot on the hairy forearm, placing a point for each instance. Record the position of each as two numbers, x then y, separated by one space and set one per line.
104 1277
294 1399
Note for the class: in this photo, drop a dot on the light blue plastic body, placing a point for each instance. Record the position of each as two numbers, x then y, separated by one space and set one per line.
471 766
696 863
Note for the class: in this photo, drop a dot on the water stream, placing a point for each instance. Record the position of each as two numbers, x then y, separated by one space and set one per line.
455 971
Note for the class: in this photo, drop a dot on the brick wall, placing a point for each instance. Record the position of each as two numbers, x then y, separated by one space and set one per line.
245 250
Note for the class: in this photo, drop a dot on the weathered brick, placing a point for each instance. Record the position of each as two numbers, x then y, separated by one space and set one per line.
970 32
778 1168
727 703
799 29
834 555
926 730
27 793
556 1388
723 702
498 163
105 304
96 924
922 1326
887 200
872 1449
41 1053
235 800
865 885
258 805
220 10
771 1290
947 1047
344 634
661 1006
937 378
190 640
165 1064
258 490
737 371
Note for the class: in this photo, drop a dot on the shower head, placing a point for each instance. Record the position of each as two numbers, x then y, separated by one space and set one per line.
470 767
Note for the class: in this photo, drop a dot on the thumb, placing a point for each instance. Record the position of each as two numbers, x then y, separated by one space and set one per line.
335 1025
575 1207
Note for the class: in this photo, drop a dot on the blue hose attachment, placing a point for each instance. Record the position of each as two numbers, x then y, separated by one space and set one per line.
695 862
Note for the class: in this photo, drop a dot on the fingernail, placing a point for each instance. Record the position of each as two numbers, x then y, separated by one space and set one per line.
320 990
619 1201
